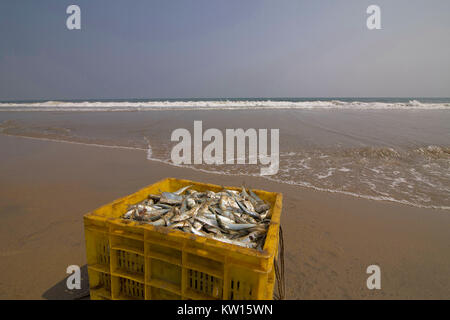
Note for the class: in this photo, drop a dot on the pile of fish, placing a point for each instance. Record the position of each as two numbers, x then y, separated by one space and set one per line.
230 216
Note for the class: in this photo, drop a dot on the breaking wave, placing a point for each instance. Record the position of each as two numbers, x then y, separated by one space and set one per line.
216 105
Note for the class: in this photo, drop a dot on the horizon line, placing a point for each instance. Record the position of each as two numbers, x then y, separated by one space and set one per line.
216 98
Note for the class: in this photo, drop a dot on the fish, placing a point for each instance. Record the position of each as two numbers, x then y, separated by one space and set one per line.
128 214
181 224
236 217
234 226
159 222
180 191
190 203
153 197
186 215
170 198
255 197
249 212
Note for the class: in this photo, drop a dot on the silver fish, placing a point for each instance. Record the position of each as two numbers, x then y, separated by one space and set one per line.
249 212
180 191
235 217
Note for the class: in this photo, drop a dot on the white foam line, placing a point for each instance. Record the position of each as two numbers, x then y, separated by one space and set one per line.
300 184
217 105
376 198
305 185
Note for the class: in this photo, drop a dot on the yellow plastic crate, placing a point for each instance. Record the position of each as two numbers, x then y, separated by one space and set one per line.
128 260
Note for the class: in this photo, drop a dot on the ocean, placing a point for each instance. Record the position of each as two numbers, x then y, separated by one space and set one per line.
226 104
384 149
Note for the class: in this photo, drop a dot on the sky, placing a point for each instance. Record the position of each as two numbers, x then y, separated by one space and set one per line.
223 48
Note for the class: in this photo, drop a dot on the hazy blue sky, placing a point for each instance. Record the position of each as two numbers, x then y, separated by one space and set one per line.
223 48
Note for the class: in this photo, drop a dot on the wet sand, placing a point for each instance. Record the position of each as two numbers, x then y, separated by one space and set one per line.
397 155
330 239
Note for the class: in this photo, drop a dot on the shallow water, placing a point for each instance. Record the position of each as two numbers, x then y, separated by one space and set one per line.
400 155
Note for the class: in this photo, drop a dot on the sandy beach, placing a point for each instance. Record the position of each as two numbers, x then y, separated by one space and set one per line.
330 238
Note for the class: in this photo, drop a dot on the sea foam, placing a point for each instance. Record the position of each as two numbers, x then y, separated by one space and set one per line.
216 105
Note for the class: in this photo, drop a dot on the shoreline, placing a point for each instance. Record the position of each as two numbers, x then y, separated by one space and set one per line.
330 239
300 185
